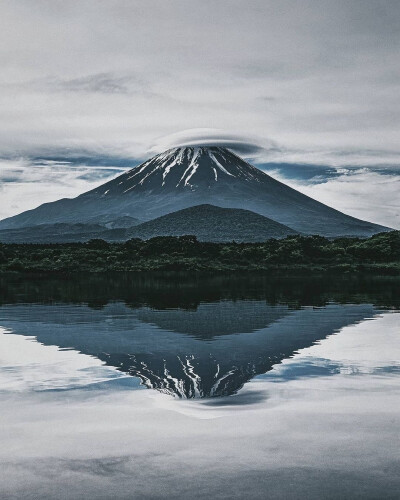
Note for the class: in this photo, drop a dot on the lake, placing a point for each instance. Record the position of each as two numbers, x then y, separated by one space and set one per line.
183 386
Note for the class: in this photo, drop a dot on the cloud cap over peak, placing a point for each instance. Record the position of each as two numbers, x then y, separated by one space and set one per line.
208 137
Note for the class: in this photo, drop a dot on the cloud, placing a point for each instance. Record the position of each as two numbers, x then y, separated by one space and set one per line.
318 77
330 157
103 83
247 146
25 184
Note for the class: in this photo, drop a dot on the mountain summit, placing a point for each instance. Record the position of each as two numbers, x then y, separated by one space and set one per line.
187 168
185 177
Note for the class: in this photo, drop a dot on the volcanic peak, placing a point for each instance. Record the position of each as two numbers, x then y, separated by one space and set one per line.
186 167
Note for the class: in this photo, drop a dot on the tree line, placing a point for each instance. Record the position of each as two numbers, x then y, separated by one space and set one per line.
381 251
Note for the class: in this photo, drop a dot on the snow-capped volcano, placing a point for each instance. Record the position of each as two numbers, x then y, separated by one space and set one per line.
186 177
185 168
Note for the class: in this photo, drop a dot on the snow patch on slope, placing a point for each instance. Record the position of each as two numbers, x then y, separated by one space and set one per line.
219 164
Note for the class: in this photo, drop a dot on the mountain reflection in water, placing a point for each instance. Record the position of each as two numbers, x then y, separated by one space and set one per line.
191 337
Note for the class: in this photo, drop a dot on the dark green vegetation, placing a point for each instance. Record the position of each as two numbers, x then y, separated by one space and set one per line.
210 223
381 252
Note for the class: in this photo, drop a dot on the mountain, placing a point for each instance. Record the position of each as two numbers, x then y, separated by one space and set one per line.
184 177
210 223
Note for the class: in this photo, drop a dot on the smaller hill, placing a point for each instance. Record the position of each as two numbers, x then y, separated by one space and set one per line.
211 223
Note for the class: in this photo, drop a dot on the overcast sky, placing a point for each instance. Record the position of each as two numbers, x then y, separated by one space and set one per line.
289 82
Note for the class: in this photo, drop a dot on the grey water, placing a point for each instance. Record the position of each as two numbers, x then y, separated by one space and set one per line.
194 386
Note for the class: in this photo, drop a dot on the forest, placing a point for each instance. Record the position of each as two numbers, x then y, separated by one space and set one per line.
380 253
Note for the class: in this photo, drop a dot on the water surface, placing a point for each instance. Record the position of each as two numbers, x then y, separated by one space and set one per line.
176 386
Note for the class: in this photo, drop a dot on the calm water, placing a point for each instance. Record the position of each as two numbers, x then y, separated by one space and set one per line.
170 386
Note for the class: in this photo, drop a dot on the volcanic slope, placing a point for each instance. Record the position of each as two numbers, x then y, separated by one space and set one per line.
189 176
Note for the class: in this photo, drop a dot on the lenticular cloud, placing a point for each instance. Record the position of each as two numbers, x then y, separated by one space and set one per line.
210 137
